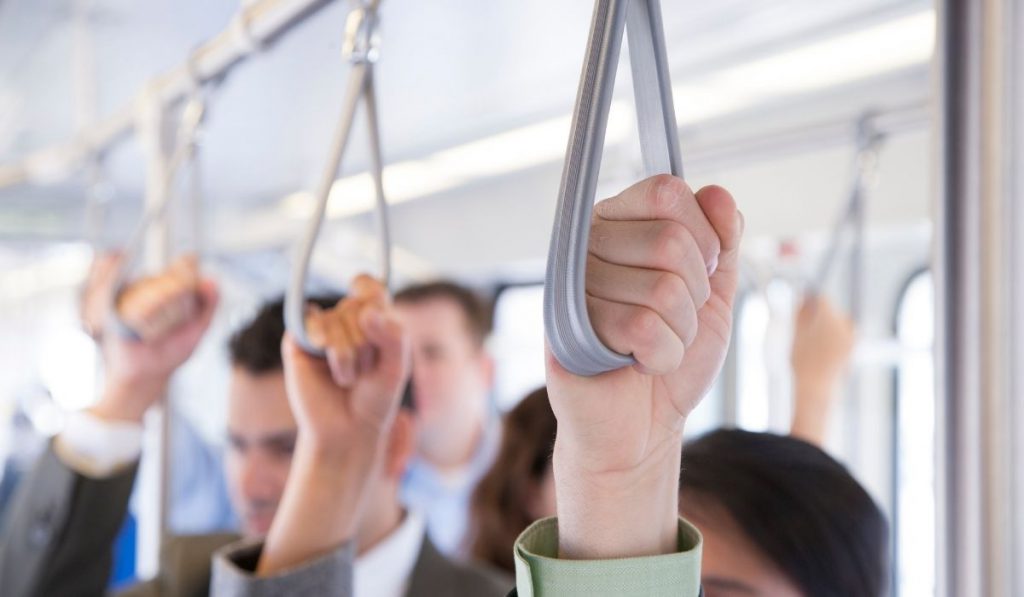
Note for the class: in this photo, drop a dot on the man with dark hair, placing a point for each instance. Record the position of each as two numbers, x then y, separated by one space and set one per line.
617 452
452 375
71 508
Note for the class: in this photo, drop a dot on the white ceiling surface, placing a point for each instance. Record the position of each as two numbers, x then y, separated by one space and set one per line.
451 72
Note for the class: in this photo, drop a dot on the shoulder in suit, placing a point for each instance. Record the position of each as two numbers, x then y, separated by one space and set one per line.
185 567
436 576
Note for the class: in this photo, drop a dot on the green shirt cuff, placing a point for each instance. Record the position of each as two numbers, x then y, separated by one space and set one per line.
540 573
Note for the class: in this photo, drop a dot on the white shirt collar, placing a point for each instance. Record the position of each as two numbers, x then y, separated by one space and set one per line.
385 570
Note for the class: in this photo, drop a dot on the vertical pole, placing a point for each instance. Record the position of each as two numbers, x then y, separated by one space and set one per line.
154 136
975 275
1015 104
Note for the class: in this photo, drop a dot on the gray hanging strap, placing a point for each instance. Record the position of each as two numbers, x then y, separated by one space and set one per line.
361 48
192 115
869 143
566 321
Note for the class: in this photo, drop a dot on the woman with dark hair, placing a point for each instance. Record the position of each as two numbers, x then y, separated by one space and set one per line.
519 487
781 517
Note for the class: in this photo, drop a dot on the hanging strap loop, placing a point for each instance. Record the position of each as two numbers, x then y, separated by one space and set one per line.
869 144
361 49
567 324
184 152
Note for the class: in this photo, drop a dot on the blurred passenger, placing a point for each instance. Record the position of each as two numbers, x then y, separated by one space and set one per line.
452 375
199 502
393 556
616 459
66 515
520 487
781 517
69 511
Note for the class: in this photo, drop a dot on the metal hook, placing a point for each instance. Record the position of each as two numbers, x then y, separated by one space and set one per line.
362 41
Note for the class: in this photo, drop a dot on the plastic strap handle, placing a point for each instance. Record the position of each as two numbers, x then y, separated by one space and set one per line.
567 324
360 85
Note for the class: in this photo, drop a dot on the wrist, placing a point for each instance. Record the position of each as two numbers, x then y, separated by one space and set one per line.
332 452
625 512
817 384
321 506
128 400
333 467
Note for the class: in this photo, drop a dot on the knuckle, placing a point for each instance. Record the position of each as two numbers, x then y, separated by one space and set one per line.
707 242
672 245
644 329
668 293
665 194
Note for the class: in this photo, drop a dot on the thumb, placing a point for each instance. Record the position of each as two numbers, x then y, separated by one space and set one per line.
300 369
720 208
389 338
207 297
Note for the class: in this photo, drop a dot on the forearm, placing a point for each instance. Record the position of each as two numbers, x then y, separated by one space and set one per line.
320 507
812 402
626 513
128 400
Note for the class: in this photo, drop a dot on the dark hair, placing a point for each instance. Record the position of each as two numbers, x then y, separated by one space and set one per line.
256 346
476 309
797 504
498 510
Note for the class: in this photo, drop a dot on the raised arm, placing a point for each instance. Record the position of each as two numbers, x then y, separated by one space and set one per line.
66 515
823 341
661 280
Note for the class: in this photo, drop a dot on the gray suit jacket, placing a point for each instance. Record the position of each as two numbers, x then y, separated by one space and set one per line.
62 525
432 576
60 535
60 531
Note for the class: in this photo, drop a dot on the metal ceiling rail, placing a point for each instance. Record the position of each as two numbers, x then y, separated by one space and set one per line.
831 132
255 26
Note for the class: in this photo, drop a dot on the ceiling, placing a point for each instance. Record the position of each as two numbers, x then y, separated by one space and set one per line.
451 72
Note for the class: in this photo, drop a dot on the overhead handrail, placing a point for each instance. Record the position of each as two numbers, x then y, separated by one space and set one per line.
566 321
361 48
257 26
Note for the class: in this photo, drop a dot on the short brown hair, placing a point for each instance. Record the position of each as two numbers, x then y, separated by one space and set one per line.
476 309
256 346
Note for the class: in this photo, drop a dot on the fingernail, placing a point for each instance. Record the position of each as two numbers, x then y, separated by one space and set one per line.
712 265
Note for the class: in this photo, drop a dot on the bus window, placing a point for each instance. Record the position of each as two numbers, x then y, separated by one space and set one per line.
762 355
517 343
914 519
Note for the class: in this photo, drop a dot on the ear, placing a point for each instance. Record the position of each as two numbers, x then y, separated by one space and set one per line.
401 444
